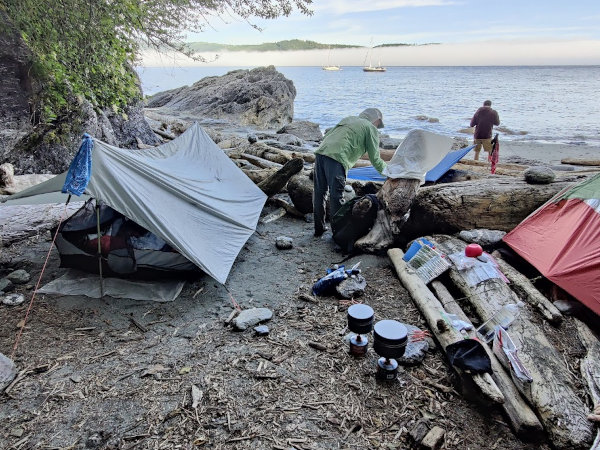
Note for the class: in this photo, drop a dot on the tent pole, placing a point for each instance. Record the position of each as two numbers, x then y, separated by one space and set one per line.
99 249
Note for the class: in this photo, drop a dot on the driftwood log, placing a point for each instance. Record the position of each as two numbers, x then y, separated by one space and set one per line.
528 292
497 203
581 162
279 179
553 395
260 162
273 154
590 369
521 417
433 312
259 175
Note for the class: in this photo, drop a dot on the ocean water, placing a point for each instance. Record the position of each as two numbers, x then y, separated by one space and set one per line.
559 104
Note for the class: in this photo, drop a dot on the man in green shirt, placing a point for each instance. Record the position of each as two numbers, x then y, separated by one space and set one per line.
342 146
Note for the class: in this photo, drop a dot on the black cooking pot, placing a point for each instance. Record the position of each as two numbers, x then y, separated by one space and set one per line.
390 338
360 318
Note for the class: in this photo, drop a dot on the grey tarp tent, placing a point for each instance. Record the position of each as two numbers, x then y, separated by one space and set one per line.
187 192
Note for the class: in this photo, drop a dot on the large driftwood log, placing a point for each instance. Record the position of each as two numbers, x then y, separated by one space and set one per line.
528 292
279 179
433 312
277 155
396 197
260 162
257 176
559 408
497 203
522 419
590 368
581 162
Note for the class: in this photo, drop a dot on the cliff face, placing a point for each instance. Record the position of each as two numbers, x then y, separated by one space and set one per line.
15 90
50 149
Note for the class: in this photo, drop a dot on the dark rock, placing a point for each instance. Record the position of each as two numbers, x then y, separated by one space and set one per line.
454 175
419 431
415 351
300 189
6 285
19 276
262 97
539 175
352 287
289 139
8 371
252 138
308 131
389 143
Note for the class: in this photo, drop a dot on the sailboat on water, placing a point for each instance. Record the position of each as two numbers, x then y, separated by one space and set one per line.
371 67
329 66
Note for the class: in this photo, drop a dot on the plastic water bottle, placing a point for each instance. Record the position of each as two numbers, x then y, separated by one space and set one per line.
504 317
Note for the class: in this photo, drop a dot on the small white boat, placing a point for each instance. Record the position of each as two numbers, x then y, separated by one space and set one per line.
377 68
330 66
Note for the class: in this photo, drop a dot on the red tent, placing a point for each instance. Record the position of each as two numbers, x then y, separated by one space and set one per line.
562 240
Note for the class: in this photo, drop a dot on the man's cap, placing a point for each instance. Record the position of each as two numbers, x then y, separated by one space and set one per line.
372 114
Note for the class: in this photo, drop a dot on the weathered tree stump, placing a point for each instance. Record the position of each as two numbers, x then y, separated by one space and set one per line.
396 197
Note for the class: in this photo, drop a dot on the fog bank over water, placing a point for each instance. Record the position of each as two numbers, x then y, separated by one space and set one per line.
492 53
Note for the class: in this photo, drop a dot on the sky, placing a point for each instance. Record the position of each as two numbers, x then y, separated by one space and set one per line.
470 32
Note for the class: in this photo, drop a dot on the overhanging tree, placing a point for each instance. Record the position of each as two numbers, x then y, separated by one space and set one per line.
86 49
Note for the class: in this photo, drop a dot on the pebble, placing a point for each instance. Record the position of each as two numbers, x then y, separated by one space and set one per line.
261 330
13 299
284 243
251 317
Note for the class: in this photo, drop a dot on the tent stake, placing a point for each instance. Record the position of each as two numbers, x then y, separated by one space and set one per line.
99 249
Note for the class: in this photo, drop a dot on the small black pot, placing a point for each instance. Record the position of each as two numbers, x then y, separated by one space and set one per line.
360 318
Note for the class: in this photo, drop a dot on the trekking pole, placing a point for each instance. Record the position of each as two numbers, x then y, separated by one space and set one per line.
99 249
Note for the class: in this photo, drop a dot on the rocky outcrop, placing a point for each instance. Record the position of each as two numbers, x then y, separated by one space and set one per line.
16 89
305 130
260 97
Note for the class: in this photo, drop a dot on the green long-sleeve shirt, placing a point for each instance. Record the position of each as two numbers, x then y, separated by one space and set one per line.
349 140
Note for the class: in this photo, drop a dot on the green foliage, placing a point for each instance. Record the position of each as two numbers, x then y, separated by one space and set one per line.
85 49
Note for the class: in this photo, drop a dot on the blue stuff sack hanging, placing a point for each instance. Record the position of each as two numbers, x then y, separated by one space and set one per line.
80 169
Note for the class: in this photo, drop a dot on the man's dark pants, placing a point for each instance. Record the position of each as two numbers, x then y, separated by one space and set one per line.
328 174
